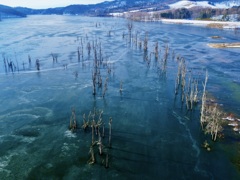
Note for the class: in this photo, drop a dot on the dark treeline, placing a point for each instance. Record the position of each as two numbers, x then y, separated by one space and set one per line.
197 13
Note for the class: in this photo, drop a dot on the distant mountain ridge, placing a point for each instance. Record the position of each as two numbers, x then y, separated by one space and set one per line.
102 9
8 12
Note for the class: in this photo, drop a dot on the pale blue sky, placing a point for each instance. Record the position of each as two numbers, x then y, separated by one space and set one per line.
38 4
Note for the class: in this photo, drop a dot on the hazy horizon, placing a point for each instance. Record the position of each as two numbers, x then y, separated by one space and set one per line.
36 4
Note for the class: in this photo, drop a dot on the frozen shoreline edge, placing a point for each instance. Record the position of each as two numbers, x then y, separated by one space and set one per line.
218 24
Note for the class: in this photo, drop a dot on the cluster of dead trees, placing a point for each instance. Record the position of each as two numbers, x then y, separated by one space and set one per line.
95 124
211 115
88 52
141 42
11 66
98 64
95 56
186 83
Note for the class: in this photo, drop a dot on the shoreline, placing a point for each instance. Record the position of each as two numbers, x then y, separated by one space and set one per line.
205 23
211 24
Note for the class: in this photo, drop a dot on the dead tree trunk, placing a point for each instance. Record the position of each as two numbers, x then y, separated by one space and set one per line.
204 98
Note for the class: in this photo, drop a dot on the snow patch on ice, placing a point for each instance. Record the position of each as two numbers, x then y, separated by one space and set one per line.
4 161
28 139
69 134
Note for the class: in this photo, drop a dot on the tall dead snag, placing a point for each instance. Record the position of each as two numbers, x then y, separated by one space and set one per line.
191 96
145 47
140 45
100 53
11 66
107 161
85 123
78 53
130 26
94 76
89 48
73 122
204 100
109 33
181 77
110 132
99 143
95 72
145 43
123 35
136 39
178 78
38 64
173 55
105 87
92 157
156 51
165 58
29 60
5 63
93 126
195 94
99 80
121 88
192 93
82 48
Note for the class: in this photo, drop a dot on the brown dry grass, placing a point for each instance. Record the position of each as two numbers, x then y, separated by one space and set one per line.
216 25
224 45
216 37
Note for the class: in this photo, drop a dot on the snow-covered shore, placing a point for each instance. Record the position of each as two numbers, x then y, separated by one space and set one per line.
206 23
216 24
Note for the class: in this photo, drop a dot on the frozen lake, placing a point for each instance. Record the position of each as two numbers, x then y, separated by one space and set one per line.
153 134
